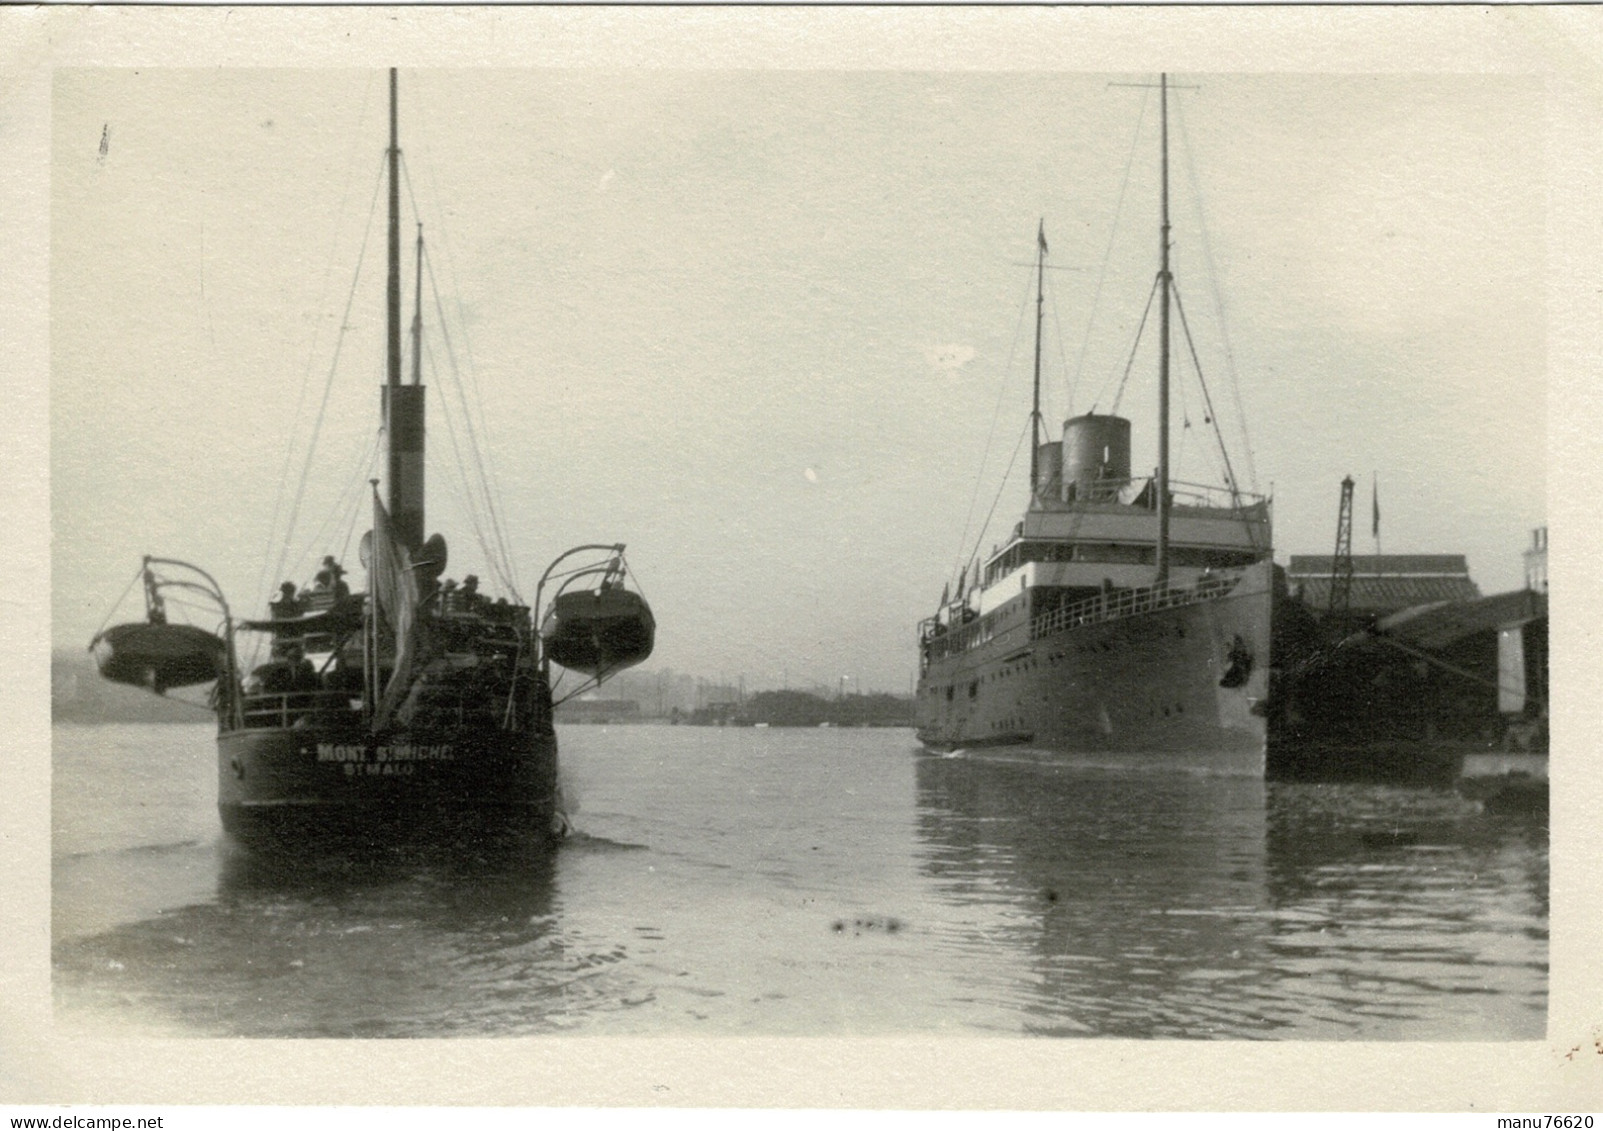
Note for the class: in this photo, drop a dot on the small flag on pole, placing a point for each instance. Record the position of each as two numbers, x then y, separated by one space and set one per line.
1374 513
1041 235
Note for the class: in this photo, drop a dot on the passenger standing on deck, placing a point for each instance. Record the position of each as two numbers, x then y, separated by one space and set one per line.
287 606
336 577
303 675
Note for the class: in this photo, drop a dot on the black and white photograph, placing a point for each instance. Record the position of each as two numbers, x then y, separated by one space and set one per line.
893 528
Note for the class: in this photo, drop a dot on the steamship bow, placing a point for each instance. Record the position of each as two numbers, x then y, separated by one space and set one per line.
1125 622
421 707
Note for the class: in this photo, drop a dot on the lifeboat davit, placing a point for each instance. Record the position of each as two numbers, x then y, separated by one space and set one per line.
159 656
598 631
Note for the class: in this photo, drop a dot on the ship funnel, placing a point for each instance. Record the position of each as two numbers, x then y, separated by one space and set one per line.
1049 470
1096 456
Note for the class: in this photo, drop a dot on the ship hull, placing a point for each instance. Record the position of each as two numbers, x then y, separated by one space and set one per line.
282 784
1182 687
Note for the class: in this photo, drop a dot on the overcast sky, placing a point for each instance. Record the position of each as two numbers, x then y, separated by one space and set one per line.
772 329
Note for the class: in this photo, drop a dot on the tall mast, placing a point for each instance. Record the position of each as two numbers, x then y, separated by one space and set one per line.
393 307
1035 409
402 404
1162 572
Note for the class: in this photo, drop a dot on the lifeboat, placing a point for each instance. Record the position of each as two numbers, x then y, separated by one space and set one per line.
159 656
598 631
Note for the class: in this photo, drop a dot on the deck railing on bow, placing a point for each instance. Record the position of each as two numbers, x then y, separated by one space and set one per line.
1119 603
1113 605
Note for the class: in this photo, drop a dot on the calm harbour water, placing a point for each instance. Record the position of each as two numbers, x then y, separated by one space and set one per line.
812 883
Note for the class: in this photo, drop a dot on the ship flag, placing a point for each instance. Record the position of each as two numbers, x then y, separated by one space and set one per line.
1374 513
1040 235
393 584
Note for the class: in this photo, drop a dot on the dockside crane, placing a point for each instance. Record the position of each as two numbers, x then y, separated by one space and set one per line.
1341 563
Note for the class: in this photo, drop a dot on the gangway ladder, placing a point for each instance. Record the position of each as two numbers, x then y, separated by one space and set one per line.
1341 565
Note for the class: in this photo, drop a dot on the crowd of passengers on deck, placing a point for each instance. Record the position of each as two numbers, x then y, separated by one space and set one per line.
290 671
329 591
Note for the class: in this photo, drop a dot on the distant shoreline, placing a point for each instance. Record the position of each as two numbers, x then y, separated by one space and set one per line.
79 695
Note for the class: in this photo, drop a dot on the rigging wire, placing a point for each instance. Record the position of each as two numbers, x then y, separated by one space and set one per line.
1107 254
1177 460
624 563
996 416
1072 382
484 453
1218 298
980 538
502 566
311 349
1051 295
502 563
1134 346
342 515
367 474
1191 345
138 574
1224 452
465 495
311 447
492 488
168 601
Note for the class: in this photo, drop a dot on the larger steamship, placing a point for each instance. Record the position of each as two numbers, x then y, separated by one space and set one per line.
1126 621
